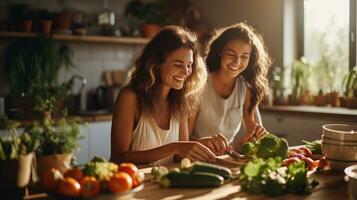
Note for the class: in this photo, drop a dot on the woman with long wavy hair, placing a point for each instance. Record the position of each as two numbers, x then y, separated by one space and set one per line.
150 118
238 62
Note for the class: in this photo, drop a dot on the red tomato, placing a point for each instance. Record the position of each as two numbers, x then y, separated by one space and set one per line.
128 168
75 173
289 161
120 182
90 186
307 151
69 187
50 179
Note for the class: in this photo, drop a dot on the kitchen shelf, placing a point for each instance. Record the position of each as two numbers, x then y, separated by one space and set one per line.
79 38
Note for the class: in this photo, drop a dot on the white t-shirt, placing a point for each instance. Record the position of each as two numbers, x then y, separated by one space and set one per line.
217 114
148 135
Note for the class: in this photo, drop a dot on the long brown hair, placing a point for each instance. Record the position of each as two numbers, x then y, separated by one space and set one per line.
144 78
256 72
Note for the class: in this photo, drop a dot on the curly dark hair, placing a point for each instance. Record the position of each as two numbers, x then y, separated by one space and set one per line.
144 77
256 72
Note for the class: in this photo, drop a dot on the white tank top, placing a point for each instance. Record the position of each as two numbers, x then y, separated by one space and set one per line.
217 114
148 135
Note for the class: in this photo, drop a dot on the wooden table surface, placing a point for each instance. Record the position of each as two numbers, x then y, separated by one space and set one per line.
331 186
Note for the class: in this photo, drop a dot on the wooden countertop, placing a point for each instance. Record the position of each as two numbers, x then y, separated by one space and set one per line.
331 186
315 111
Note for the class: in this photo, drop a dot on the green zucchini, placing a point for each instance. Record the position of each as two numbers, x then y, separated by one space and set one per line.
186 179
225 172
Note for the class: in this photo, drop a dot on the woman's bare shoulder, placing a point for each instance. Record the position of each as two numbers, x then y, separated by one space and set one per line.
127 93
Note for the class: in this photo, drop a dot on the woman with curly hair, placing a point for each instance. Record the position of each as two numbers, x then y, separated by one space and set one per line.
150 118
238 63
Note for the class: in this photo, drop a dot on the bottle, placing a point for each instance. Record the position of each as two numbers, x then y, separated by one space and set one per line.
106 17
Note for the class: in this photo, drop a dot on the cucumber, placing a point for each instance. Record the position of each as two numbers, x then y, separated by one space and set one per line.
225 172
186 179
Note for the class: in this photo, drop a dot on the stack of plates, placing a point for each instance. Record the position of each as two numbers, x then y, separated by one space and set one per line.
339 145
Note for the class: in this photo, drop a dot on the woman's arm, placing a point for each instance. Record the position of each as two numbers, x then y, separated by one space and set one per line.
252 123
122 129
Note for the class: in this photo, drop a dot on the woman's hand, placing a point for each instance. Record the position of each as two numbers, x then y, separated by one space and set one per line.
255 132
218 144
194 151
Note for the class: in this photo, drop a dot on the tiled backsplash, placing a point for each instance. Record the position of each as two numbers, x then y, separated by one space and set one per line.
92 59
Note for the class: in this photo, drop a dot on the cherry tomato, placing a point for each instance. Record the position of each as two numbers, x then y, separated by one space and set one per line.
90 186
128 168
289 161
75 173
69 187
50 179
307 151
120 182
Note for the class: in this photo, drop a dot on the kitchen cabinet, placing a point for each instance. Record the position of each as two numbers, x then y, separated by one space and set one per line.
95 142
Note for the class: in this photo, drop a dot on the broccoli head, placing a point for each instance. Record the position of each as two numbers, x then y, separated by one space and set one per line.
282 149
248 149
270 141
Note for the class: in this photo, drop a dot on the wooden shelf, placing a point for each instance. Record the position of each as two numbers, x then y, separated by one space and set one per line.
80 38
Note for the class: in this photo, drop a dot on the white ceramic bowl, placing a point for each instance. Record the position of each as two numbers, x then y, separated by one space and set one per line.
337 142
339 165
338 152
351 178
343 132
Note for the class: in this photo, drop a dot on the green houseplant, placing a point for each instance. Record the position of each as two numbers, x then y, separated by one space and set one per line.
350 88
16 156
150 14
32 67
299 76
58 140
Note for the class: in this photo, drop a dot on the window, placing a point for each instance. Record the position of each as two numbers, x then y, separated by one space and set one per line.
326 42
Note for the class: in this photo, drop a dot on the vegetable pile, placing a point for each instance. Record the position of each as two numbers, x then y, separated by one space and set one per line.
269 177
267 147
98 176
198 174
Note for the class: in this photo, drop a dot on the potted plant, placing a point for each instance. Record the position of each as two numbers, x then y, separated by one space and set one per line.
151 15
299 76
350 87
16 156
276 82
58 141
32 66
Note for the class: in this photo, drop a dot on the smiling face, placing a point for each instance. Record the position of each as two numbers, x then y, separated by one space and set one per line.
177 68
235 57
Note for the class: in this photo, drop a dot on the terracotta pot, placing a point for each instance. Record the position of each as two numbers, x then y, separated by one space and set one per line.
27 25
62 162
46 26
320 100
351 102
334 99
149 30
16 173
63 21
